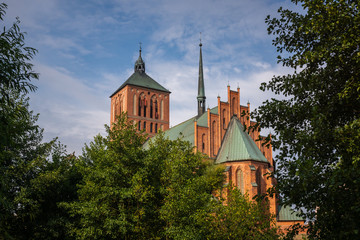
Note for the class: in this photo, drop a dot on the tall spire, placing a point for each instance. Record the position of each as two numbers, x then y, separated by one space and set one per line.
201 87
139 64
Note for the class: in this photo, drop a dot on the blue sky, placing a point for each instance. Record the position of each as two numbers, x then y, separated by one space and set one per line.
87 49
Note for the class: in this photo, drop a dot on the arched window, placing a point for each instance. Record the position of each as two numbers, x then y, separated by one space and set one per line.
240 180
113 111
140 105
258 179
151 127
139 125
162 110
116 108
156 109
134 104
224 119
156 127
145 103
144 127
151 108
203 143
233 106
214 138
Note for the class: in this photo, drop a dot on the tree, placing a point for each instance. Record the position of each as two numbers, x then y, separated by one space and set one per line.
316 124
40 215
34 176
15 69
161 191
188 182
241 218
132 193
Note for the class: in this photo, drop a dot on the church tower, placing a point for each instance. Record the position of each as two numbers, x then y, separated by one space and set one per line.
201 87
144 100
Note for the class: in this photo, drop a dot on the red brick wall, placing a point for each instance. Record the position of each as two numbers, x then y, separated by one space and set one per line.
135 98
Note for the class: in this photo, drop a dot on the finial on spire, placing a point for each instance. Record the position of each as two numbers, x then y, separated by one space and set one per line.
200 40
139 64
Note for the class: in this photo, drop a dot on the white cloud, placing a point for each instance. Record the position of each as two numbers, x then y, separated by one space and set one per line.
73 99
69 109
63 44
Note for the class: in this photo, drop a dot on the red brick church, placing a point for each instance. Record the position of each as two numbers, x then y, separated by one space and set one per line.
218 132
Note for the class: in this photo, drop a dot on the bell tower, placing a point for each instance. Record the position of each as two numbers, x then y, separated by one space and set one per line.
144 100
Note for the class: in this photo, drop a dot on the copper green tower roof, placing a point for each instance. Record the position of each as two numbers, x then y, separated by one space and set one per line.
140 78
238 145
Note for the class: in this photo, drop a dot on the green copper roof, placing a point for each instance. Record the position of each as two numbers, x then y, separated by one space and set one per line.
203 120
184 130
142 80
238 145
287 214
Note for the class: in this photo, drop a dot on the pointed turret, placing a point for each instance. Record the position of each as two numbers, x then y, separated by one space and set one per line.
201 87
139 64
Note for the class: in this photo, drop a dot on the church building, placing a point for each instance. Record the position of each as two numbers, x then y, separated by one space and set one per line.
217 132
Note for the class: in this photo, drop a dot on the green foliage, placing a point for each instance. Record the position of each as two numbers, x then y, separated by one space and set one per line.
39 215
20 146
161 191
241 218
34 176
187 185
15 70
316 125
110 200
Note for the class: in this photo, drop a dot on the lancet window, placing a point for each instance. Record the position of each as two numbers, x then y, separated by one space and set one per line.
240 180
203 143
258 179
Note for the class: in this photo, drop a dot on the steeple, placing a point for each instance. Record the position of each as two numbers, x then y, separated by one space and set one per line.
139 64
201 87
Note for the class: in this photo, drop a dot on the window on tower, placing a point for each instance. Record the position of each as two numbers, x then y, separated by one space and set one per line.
134 104
156 110
140 105
144 127
145 103
151 127
162 110
151 108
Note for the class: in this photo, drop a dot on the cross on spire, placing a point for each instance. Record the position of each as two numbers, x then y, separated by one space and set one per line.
139 64
200 40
